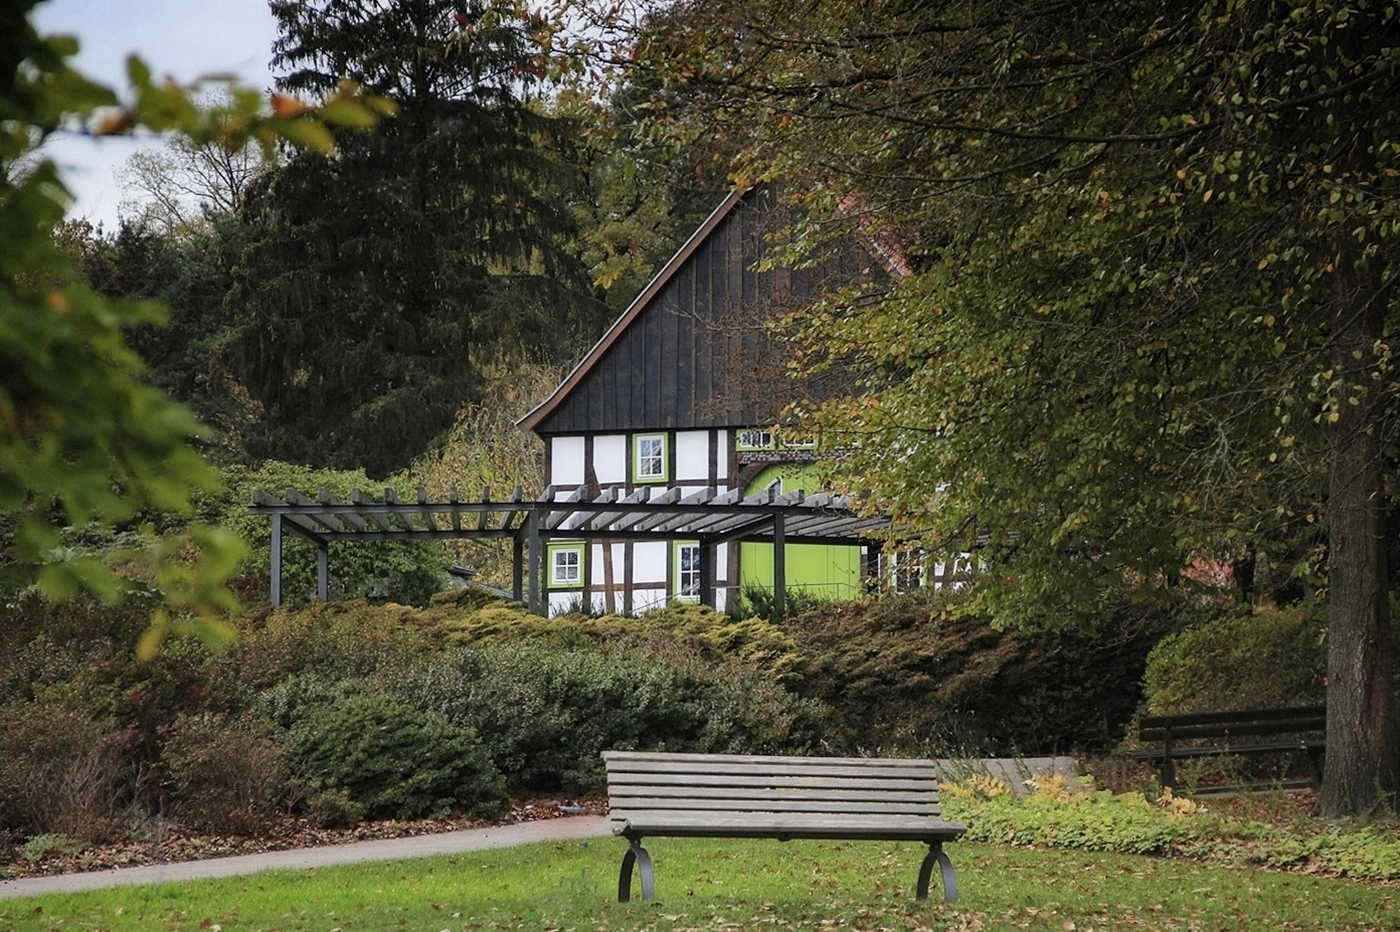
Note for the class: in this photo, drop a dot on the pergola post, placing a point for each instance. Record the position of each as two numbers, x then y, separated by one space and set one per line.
276 560
536 561
323 571
779 568
708 553
517 570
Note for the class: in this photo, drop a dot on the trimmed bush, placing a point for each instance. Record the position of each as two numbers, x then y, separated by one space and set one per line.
395 761
546 712
908 675
1270 658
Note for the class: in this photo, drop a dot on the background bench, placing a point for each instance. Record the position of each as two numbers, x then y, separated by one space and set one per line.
1246 732
730 796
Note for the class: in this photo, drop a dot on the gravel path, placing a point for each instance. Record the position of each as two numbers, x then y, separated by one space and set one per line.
388 849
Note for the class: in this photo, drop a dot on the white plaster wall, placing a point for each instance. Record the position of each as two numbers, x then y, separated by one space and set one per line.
609 459
596 566
722 459
649 559
561 602
692 455
566 461
644 600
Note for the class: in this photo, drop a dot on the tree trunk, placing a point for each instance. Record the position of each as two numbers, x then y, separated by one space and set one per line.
1362 771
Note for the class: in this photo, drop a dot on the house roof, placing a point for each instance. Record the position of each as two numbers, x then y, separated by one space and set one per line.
693 350
536 417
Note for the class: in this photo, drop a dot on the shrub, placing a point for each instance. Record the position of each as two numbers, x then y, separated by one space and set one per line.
545 712
410 570
41 846
334 641
394 760
1272 657
61 772
909 675
223 775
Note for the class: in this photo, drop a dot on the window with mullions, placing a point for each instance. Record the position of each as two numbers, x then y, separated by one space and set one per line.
688 571
566 566
650 459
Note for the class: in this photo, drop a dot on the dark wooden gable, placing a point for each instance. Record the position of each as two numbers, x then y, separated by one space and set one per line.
692 351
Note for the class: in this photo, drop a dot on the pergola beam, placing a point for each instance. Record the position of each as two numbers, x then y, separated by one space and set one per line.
609 516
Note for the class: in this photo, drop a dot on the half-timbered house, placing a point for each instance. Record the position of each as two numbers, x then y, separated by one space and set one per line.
682 394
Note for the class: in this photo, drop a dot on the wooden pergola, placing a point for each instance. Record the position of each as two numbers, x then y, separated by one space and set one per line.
644 514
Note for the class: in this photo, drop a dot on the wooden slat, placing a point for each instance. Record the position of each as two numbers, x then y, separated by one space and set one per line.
779 782
722 806
864 826
627 794
635 770
1185 732
358 497
1246 715
726 761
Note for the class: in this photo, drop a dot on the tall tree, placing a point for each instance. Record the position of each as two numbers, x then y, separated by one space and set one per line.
1152 302
185 185
379 281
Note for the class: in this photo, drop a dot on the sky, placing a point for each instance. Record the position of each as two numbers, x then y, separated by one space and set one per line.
184 39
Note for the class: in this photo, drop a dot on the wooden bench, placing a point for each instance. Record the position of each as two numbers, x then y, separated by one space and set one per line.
1304 726
730 796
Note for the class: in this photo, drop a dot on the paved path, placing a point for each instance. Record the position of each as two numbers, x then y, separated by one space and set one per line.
388 849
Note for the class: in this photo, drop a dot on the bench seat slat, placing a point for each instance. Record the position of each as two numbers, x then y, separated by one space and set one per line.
850 792
788 825
775 805
768 762
700 778
849 771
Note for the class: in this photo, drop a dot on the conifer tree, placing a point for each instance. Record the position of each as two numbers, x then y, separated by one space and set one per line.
378 282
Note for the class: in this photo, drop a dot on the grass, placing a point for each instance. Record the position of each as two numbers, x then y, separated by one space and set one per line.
723 886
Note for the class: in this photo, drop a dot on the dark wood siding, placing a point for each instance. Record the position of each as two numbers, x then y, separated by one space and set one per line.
697 355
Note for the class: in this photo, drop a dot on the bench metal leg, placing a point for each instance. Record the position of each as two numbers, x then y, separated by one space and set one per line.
636 854
936 854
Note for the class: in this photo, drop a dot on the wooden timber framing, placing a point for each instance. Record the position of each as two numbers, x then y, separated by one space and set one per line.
645 514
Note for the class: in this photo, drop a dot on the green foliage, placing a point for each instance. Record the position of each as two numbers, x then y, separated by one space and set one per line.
41 846
913 674
374 289
1149 312
82 438
393 760
1270 658
484 450
1060 816
410 572
545 712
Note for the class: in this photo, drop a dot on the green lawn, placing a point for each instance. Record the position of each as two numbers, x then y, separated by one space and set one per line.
734 885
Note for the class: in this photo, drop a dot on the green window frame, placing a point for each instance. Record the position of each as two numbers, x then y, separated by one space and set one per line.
687 582
565 566
650 462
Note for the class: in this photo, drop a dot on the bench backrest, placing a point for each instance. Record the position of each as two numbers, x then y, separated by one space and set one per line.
696 784
1229 724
